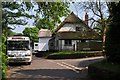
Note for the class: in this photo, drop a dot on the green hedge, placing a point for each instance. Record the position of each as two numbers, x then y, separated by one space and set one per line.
73 55
73 52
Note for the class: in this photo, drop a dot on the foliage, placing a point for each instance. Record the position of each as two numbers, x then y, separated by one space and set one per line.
48 14
11 33
12 12
32 33
51 13
18 34
99 28
99 11
112 38
3 57
3 66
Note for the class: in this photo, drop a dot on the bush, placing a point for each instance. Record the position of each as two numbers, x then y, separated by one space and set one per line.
112 46
3 56
3 65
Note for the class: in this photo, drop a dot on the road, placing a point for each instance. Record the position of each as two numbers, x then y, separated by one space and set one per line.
46 69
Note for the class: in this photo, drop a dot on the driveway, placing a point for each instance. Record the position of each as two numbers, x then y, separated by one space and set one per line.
46 69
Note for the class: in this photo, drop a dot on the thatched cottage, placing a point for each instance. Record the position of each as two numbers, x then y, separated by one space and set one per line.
44 36
74 34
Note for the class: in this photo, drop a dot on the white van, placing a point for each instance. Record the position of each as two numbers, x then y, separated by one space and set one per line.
19 50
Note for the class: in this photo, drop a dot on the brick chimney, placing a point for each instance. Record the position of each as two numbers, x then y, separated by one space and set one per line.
86 19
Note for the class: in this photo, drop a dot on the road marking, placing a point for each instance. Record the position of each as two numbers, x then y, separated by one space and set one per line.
68 67
77 68
65 65
74 68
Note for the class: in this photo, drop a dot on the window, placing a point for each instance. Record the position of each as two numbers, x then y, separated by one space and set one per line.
78 28
68 42
18 45
83 40
36 44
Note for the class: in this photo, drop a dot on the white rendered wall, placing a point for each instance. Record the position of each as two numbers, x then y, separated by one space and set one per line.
69 27
43 44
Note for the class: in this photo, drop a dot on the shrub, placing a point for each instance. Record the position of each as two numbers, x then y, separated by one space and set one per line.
3 57
112 46
3 66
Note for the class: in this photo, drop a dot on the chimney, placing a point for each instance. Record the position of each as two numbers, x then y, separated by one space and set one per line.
86 19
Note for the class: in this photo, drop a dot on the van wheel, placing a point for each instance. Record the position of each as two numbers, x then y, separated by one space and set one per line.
28 63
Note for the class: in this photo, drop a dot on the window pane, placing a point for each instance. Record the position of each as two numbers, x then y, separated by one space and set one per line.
68 42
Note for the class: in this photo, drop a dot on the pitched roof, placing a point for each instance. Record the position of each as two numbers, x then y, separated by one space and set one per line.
44 33
72 18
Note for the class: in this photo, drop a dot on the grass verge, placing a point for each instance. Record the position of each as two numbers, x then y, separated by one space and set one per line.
73 52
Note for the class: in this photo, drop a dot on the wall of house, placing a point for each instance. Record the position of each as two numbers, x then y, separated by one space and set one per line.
43 44
89 45
63 47
77 45
69 27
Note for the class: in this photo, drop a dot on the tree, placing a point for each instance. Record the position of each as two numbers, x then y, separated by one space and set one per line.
112 39
12 14
98 27
32 33
100 11
51 13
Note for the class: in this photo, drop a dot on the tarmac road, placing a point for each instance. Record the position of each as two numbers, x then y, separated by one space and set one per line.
47 69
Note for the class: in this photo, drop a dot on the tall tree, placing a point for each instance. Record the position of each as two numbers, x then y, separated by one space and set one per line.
113 34
32 33
50 12
99 11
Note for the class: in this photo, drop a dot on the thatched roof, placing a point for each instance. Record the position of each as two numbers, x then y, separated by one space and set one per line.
78 35
72 18
44 33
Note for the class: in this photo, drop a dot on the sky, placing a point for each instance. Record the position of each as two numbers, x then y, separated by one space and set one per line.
72 8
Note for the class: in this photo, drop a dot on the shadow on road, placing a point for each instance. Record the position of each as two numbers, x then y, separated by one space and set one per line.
86 63
17 64
49 74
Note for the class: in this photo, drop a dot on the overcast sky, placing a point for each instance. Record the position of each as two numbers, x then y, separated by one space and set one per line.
72 8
